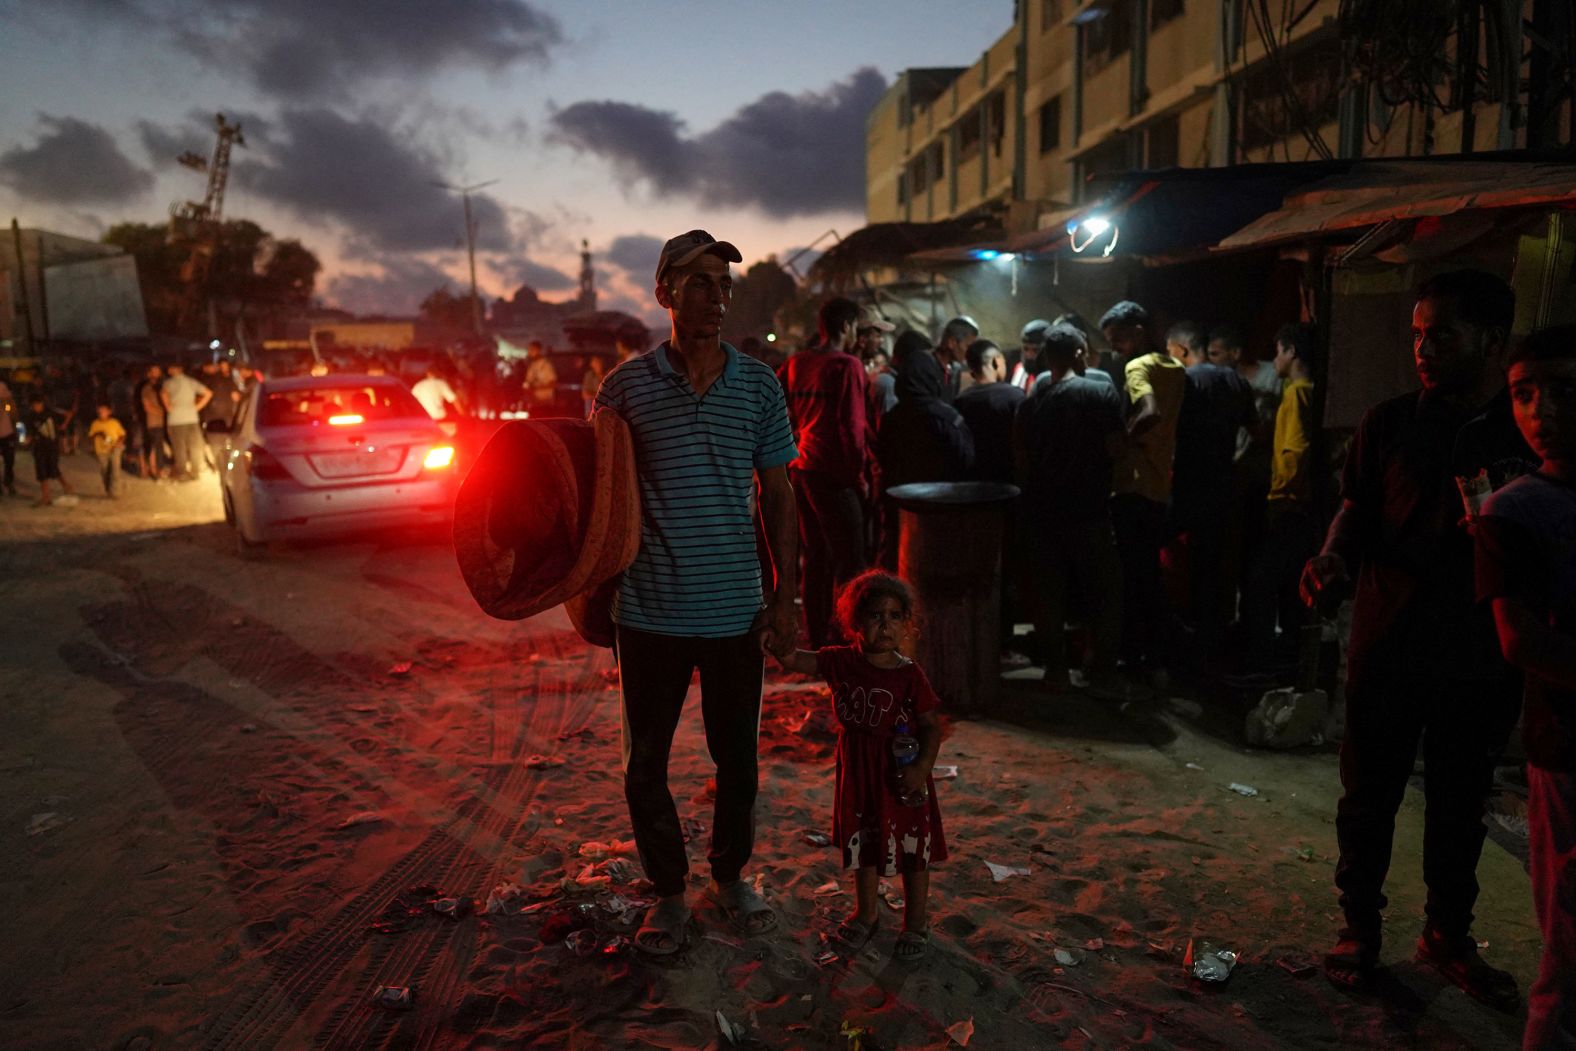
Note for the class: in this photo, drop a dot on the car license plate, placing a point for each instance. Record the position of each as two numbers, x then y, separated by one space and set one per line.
353 464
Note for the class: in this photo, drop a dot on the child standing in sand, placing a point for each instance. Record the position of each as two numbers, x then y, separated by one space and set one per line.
885 817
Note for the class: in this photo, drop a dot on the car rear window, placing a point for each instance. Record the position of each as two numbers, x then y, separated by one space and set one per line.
380 401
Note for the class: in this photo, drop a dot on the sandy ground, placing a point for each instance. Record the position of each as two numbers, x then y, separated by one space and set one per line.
233 788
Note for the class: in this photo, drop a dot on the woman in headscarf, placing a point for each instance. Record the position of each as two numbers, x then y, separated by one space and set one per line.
922 438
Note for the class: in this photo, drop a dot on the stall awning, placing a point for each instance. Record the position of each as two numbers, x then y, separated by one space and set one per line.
1180 213
1377 192
894 244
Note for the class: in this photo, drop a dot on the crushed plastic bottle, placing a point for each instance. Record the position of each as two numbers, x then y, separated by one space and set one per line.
582 942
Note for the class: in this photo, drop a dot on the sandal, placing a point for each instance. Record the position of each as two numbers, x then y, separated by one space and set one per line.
853 935
746 910
1457 959
1351 963
665 928
912 945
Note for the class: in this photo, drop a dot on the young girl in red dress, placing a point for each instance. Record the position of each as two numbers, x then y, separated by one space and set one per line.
875 691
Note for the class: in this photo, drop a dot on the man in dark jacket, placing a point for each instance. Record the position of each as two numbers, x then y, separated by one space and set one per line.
923 439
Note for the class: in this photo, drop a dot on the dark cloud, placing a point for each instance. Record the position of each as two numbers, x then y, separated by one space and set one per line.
636 254
375 181
73 162
788 155
164 145
398 289
309 49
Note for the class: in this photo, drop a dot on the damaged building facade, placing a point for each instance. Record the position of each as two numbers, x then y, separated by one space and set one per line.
1170 125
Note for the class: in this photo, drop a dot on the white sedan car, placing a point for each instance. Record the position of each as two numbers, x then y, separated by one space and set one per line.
318 455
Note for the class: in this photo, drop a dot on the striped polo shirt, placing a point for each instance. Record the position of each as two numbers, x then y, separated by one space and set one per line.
697 573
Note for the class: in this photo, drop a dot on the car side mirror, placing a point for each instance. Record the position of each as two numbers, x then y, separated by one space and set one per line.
216 427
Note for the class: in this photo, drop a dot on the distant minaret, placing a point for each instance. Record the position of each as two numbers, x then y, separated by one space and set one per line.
587 278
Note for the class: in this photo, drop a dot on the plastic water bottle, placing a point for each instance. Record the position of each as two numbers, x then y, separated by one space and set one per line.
905 749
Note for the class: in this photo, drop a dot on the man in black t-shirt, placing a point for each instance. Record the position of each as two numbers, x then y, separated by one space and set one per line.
1065 440
1423 663
988 407
1216 404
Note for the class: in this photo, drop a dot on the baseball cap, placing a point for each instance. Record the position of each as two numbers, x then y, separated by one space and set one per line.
870 317
681 250
1034 331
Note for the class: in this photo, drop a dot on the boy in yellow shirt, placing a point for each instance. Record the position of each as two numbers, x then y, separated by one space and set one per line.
1269 594
109 439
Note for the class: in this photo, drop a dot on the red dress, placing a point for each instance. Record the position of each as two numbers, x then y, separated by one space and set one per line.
869 824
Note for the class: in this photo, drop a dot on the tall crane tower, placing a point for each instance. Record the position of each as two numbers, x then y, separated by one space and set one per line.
195 224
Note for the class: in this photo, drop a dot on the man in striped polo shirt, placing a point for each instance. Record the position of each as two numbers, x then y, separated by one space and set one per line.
707 422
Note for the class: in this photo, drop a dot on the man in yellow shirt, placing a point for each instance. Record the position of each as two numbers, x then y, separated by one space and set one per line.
1269 595
1141 484
109 439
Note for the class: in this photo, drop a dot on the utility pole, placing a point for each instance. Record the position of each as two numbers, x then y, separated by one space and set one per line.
470 244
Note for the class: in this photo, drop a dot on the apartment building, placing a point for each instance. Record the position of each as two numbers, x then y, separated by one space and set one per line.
1075 89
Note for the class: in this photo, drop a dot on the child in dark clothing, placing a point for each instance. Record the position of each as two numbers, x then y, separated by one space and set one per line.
43 436
886 821
1526 566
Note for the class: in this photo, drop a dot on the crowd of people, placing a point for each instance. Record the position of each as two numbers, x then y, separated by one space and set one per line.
141 421
1172 502
1171 486
148 421
1179 507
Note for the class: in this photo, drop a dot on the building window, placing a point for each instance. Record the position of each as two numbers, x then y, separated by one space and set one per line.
995 111
916 175
902 189
1051 125
937 156
969 134
1279 105
1108 36
1113 155
1050 15
1163 11
1162 147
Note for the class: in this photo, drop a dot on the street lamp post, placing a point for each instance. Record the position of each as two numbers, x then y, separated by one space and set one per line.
470 244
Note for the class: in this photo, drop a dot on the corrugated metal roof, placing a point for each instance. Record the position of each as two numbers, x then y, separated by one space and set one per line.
1377 192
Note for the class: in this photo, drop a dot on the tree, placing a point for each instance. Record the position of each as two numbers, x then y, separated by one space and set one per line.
757 296
249 275
290 275
443 307
158 270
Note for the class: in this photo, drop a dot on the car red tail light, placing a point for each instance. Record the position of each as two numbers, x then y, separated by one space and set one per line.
439 457
265 465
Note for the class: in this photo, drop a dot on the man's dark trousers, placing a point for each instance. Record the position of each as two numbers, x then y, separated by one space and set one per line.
832 543
655 671
1463 725
1140 527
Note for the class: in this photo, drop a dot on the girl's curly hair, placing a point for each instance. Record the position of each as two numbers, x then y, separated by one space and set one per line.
861 593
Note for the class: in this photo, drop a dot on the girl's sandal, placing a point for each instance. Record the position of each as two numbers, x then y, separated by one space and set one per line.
911 945
852 935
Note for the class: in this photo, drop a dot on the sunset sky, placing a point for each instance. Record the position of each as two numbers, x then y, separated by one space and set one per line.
619 122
